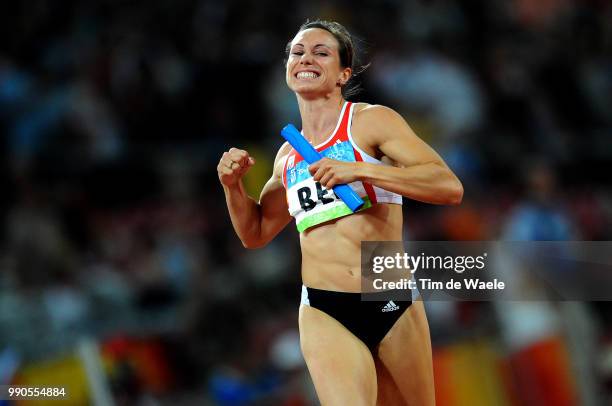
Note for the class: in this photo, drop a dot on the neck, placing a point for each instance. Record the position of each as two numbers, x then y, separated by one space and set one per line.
319 116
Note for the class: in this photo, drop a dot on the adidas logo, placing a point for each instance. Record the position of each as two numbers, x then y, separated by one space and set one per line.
390 306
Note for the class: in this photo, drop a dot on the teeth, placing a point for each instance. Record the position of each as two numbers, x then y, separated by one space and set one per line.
304 75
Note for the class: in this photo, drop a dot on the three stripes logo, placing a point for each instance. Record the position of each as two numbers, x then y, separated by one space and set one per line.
390 306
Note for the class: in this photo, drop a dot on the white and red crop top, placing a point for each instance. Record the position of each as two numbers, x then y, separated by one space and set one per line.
309 202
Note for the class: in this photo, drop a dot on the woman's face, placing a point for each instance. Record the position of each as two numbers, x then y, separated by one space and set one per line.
313 65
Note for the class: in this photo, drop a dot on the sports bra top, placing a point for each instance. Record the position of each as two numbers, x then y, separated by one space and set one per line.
312 204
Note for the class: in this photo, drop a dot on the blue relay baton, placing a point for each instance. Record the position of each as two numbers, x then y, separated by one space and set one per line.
310 155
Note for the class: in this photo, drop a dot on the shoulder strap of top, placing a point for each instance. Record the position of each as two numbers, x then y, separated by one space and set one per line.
341 131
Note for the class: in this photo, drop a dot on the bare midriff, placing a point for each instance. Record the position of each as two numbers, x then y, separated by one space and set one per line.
331 252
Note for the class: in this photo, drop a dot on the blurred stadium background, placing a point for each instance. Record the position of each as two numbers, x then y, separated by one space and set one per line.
120 275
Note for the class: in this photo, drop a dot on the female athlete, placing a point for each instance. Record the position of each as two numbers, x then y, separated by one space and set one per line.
357 352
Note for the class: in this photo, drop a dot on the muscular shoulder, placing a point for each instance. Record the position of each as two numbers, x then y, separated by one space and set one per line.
375 116
373 123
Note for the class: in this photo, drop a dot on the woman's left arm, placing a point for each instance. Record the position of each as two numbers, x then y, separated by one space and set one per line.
421 173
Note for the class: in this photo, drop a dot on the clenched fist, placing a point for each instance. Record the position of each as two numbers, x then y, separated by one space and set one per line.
233 165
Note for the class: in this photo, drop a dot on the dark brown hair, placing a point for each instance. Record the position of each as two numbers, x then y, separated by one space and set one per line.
346 50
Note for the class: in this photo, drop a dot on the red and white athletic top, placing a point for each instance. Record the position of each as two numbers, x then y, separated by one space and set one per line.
309 202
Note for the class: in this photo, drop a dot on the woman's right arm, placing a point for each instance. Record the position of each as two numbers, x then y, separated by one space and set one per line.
255 223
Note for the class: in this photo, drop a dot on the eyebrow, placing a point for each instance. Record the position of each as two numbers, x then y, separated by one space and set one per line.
316 46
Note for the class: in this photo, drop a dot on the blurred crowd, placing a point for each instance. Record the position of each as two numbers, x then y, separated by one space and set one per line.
114 115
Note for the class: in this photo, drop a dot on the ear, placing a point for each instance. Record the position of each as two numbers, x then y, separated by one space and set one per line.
344 76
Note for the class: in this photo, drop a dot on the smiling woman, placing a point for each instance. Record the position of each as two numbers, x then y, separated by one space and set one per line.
357 352
341 40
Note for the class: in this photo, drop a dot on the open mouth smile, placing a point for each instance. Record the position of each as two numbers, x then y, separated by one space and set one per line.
307 75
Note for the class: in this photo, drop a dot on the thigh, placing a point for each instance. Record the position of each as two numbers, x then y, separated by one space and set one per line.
341 366
405 352
388 392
